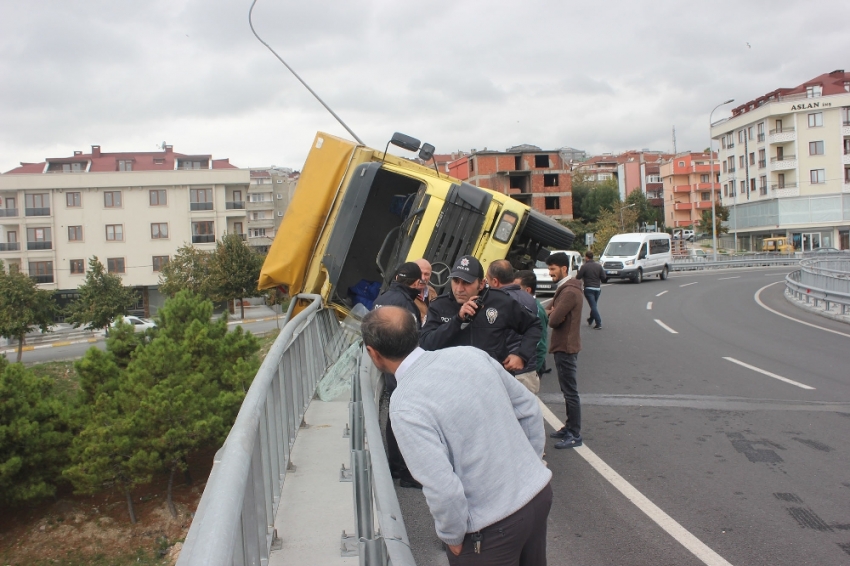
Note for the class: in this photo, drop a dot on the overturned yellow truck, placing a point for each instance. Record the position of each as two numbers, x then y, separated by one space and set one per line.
358 213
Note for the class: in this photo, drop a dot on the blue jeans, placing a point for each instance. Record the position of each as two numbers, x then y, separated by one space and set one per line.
592 296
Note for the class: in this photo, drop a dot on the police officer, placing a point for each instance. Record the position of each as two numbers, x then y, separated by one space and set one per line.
473 314
402 292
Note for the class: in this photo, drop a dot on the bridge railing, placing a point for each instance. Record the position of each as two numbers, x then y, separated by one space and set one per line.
824 281
234 522
731 261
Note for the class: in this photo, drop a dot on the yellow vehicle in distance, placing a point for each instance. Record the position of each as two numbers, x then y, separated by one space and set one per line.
778 245
358 213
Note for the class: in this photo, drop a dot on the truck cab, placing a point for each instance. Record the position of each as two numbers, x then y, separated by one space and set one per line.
358 213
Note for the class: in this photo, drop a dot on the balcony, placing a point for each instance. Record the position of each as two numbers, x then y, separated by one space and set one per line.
703 205
682 189
9 212
783 163
683 206
761 137
42 278
10 247
37 211
763 190
656 202
784 135
732 169
260 204
44 245
203 239
200 206
235 205
707 186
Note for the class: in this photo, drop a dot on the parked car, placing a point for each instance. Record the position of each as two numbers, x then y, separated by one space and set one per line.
545 285
139 324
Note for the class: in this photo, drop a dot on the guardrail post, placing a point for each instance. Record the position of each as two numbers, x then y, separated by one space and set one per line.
362 467
372 552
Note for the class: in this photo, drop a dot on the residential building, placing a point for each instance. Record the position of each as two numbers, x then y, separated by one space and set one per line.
786 165
269 194
687 181
541 179
633 170
131 210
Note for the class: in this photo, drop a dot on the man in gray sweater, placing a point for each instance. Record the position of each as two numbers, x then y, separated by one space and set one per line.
489 505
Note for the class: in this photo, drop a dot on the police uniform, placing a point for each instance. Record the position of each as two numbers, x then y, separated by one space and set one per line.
489 330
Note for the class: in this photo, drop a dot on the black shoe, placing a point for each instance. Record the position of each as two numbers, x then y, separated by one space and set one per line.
412 483
559 433
598 327
589 320
569 441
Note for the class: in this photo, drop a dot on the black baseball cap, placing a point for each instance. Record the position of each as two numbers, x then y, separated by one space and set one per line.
467 268
409 270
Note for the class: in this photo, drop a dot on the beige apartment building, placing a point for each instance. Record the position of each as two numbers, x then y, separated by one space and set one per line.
269 194
131 210
786 165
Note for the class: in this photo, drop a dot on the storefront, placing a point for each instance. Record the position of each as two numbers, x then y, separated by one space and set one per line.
813 238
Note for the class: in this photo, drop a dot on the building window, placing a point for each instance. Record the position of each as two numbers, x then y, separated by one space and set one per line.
762 159
203 232
41 271
814 91
604 177
115 264
471 166
703 179
750 133
158 197
743 187
752 185
816 120
200 199
725 190
37 204
760 126
258 232
550 180
159 230
125 164
752 159
817 176
78 266
741 161
39 239
541 161
159 161
515 182
73 200
816 148
725 166
114 232
112 199
705 196
681 164
75 233
742 135
763 185
159 261
552 203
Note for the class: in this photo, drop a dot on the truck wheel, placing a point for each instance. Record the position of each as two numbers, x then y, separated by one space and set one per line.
638 277
663 275
551 234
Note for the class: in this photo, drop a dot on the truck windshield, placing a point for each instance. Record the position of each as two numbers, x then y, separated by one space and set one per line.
619 249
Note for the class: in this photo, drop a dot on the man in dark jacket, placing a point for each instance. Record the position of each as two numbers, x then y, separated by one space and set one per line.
593 276
457 319
565 344
402 292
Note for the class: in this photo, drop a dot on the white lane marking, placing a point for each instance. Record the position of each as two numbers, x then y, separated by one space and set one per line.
686 284
665 327
661 293
662 519
649 306
725 278
769 374
764 306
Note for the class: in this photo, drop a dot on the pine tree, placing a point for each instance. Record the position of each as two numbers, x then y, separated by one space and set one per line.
23 306
103 297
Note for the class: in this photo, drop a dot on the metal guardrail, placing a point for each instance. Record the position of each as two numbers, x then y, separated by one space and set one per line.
234 522
754 260
370 473
822 280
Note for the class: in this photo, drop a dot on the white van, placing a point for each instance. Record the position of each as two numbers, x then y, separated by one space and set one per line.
545 285
634 256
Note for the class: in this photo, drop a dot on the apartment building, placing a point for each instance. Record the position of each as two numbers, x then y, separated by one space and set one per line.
540 179
687 184
786 165
633 170
131 210
269 193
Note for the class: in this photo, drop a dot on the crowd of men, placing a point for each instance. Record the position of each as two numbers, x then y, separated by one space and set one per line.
462 369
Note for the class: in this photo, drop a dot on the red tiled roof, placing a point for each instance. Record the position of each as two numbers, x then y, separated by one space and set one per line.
105 162
831 83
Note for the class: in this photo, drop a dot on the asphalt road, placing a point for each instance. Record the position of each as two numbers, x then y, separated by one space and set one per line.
743 464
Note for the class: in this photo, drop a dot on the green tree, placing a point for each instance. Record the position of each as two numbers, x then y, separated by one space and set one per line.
721 214
234 270
33 435
191 380
103 297
23 306
610 223
188 269
645 212
604 196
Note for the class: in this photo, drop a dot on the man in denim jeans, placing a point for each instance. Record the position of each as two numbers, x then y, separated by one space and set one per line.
593 276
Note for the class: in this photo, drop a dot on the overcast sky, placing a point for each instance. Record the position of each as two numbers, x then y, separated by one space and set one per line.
599 76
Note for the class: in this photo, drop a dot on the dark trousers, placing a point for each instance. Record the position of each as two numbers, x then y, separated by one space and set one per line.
517 540
567 365
398 467
592 296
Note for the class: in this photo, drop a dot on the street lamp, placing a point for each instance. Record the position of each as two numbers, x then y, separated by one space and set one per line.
622 208
711 171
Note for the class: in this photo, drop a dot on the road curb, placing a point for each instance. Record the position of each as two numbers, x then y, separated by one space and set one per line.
808 307
51 345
